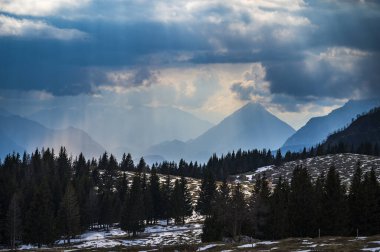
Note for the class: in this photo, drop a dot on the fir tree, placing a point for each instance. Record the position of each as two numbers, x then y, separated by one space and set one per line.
14 227
334 205
301 205
279 209
132 219
237 212
166 194
156 195
356 201
207 193
127 163
68 215
40 226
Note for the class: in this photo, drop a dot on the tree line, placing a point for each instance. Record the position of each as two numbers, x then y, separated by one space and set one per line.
45 197
301 208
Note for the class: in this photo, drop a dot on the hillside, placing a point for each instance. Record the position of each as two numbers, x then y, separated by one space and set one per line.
317 129
345 164
364 130
252 126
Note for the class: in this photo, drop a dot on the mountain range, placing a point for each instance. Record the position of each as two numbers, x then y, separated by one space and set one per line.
252 126
364 130
317 129
20 134
126 130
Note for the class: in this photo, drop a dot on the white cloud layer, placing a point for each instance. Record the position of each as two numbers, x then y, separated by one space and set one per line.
15 27
39 7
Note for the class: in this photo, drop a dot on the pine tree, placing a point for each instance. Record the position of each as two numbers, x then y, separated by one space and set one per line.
301 205
91 209
187 202
176 202
262 209
148 201
237 211
356 201
132 219
142 167
212 229
69 217
221 205
371 211
155 195
14 226
334 205
127 163
166 194
40 225
279 209
207 193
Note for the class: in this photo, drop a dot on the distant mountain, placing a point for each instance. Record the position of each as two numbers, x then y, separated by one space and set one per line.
126 129
252 126
20 134
365 129
317 129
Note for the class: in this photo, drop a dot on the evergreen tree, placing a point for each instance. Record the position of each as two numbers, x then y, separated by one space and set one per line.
371 212
237 212
148 201
207 193
142 166
155 195
14 227
212 229
186 200
68 215
279 210
334 205
278 158
132 219
176 202
262 210
40 226
166 194
127 163
301 205
91 209
181 201
356 201
221 205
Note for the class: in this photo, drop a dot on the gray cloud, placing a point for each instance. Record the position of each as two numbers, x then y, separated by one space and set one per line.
285 38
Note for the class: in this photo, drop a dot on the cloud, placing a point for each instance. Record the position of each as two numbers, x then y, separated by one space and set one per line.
39 7
253 86
14 27
337 72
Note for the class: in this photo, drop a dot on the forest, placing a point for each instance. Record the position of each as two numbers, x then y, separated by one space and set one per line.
45 197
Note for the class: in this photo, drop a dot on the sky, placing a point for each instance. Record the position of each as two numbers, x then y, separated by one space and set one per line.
298 58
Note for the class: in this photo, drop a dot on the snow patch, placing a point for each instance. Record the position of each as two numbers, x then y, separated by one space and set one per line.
251 245
208 247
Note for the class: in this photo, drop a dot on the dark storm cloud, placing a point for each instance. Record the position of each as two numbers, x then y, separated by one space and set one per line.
128 34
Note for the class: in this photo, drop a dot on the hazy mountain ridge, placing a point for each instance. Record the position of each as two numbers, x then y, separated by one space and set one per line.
317 129
21 134
127 130
251 126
